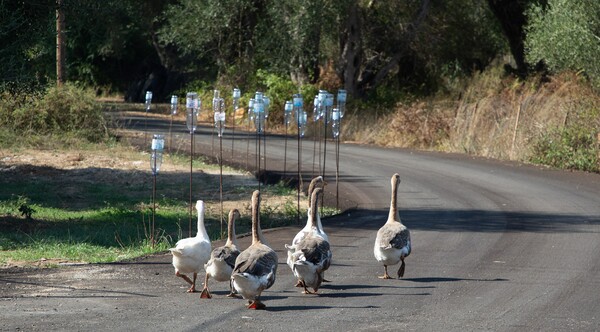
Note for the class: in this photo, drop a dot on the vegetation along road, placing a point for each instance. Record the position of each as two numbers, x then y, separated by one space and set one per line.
496 246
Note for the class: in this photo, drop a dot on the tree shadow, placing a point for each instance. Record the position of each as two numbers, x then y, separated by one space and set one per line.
470 221
449 279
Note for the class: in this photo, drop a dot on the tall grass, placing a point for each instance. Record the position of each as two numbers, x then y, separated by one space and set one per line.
553 122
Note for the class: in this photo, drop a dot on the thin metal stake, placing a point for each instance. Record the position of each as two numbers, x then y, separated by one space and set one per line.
153 206
221 176
285 151
191 160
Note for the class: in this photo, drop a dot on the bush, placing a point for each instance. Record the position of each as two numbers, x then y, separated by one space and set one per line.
573 146
60 110
570 148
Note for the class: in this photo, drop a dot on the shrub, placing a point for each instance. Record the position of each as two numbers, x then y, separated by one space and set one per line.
573 146
60 110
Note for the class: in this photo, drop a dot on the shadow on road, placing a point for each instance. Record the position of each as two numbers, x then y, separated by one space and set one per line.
470 221
449 279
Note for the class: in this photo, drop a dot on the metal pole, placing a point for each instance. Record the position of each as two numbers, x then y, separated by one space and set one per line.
299 172
258 157
324 157
285 151
337 171
153 206
247 140
232 132
265 144
316 137
170 132
221 177
191 160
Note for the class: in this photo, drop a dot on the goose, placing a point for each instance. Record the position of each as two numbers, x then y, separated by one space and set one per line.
256 267
190 254
392 244
222 259
311 230
311 257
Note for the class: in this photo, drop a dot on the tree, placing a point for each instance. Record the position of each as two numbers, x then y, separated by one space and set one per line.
512 18
566 36
27 36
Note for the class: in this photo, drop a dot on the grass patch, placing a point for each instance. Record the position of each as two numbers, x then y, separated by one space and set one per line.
93 204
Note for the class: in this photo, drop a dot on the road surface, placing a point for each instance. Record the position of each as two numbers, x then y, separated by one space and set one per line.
497 246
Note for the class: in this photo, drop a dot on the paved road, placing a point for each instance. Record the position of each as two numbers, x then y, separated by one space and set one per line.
497 246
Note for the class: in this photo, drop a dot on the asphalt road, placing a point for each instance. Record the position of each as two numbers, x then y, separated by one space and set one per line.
497 246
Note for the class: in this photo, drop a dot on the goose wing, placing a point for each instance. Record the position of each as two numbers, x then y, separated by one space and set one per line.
394 235
256 260
226 253
316 251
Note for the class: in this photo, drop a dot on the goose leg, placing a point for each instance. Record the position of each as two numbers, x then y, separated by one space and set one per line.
385 275
299 283
232 290
193 288
188 280
205 293
306 291
401 269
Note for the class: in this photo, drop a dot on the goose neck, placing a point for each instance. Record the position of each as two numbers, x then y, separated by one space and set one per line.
231 239
394 215
201 227
256 232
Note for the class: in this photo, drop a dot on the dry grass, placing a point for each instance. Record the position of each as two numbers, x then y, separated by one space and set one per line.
490 116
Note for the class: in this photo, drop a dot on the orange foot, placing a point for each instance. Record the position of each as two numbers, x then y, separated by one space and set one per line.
205 294
192 290
257 305
385 276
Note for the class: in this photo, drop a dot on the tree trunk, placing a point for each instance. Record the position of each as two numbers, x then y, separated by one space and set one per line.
511 15
351 55
373 71
60 43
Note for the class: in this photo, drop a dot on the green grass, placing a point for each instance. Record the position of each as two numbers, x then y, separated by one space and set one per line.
105 234
104 216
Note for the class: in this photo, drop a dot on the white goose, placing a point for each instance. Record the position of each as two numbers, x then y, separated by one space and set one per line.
392 244
190 254
256 267
311 220
311 256
222 259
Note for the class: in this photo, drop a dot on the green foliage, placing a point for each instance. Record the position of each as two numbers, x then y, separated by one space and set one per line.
278 89
566 36
27 52
574 146
569 148
60 110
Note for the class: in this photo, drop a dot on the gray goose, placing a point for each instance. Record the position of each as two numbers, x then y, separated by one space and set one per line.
222 259
392 244
256 267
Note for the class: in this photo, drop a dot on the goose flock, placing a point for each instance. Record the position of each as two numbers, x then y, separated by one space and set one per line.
253 270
